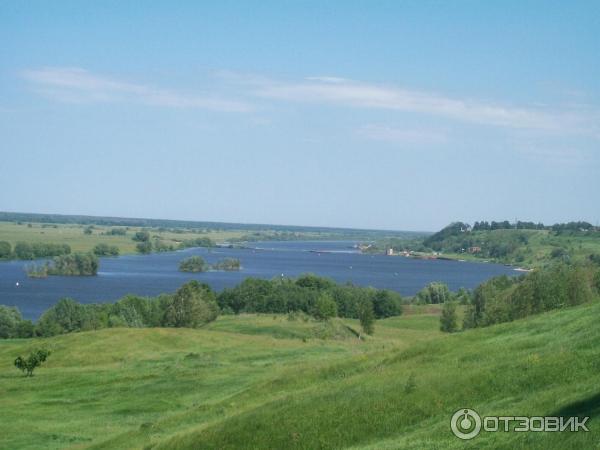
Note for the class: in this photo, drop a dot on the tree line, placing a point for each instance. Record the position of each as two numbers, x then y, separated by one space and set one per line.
196 304
146 245
504 299
28 251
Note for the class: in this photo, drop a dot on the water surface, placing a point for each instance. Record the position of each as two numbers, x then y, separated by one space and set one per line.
158 273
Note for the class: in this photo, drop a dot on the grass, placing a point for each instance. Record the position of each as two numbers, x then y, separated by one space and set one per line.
74 236
262 381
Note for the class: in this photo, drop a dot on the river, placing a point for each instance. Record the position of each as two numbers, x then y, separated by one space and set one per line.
158 273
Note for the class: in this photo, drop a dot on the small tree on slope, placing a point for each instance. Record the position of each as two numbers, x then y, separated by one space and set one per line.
35 359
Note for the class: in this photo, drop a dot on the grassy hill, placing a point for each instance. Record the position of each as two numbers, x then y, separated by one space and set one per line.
523 247
264 381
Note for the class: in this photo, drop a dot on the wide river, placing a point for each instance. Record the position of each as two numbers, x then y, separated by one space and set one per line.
158 273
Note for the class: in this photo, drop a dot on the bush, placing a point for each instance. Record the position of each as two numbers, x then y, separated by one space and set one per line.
198 242
116 232
106 250
161 246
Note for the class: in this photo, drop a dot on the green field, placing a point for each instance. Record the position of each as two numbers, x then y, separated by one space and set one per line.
74 236
263 381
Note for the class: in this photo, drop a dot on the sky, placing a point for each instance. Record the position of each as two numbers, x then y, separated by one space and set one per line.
403 115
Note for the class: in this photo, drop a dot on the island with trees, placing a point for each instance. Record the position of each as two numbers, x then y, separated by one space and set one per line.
76 264
198 264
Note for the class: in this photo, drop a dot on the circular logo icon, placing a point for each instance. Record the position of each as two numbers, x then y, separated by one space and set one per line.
465 424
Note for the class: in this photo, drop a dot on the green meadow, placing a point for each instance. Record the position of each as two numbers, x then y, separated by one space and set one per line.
264 381
74 236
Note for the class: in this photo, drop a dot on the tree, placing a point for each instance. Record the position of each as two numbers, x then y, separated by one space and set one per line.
387 304
144 247
314 282
434 293
23 251
35 359
5 250
449 319
366 316
191 306
76 264
10 317
325 307
88 230
141 236
64 317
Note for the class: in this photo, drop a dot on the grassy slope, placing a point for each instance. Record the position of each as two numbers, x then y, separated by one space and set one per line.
80 242
251 382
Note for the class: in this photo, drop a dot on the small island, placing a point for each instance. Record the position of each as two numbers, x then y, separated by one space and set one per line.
228 264
76 264
193 264
197 264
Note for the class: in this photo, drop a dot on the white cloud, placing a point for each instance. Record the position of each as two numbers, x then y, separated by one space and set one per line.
73 84
343 92
79 85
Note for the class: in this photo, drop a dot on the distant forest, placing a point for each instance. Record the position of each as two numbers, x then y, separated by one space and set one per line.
168 223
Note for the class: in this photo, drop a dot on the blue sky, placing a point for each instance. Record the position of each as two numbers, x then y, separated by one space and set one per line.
373 114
